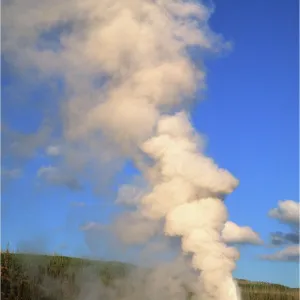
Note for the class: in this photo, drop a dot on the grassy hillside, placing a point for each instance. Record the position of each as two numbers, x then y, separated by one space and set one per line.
41 277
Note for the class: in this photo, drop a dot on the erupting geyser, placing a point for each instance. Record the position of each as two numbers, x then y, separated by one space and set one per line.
184 194
127 71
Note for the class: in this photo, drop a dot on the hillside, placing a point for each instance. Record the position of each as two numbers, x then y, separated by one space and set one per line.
42 277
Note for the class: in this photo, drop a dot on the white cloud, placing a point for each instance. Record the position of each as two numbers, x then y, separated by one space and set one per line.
234 234
286 212
290 253
53 150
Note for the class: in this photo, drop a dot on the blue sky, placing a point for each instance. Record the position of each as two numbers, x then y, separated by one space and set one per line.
249 115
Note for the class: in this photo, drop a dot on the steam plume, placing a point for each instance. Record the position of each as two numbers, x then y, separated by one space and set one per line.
136 52
185 194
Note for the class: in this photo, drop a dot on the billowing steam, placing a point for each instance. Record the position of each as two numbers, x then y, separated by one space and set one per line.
128 79
185 193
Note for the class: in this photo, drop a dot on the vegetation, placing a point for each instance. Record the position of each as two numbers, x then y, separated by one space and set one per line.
41 277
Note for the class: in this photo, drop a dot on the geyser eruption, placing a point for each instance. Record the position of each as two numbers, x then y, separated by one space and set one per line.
184 193
128 75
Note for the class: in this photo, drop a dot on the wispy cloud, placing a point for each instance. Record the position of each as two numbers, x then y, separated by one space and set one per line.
54 176
53 150
290 253
92 226
281 238
11 173
19 146
286 213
